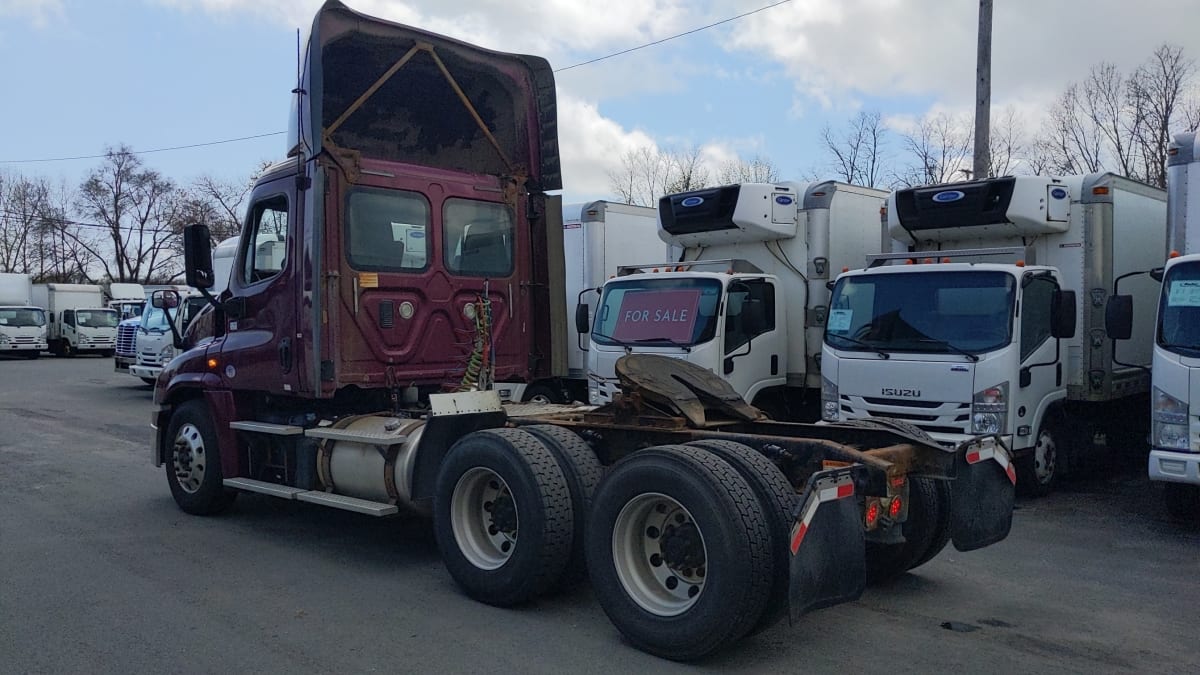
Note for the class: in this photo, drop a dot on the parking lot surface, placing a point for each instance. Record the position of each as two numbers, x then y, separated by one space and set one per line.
101 573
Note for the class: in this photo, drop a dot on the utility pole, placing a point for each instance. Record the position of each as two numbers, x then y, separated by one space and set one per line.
983 93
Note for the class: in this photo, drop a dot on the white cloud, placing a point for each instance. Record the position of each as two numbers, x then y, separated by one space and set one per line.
591 147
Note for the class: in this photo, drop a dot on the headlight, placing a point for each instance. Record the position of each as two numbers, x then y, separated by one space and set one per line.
1169 422
43 336
167 353
989 410
3 338
831 409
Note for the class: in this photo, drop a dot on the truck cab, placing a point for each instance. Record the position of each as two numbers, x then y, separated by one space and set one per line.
23 330
154 345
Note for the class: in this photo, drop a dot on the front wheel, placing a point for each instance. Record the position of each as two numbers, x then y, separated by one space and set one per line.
32 356
1039 470
148 380
679 551
194 462
1183 501
541 393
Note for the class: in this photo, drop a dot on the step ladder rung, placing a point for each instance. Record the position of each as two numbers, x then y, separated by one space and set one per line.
262 487
267 428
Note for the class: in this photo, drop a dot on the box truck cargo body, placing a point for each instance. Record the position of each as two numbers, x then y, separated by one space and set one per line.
78 320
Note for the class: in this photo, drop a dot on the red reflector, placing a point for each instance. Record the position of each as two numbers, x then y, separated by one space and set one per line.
972 457
845 490
797 537
898 481
894 507
1012 474
872 514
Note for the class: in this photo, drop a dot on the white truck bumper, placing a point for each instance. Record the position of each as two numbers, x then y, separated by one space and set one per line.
23 346
1175 467
142 370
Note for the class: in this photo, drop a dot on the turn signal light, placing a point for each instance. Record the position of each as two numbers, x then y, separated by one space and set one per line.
212 364
945 260
1020 263
1100 190
910 261
1174 254
895 507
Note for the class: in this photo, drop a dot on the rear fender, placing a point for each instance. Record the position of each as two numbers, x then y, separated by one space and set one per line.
982 495
827 545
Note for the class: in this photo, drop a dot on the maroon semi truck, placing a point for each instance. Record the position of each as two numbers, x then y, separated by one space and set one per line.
405 256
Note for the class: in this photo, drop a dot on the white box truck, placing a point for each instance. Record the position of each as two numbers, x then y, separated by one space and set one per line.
23 329
748 299
78 320
990 317
1175 393
127 298
598 238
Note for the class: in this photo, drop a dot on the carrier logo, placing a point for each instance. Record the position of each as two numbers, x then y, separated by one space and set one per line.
947 196
1058 193
784 200
692 201
900 393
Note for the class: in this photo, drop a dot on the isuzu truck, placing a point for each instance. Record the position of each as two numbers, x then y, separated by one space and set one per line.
748 299
989 317
350 369
78 320
23 329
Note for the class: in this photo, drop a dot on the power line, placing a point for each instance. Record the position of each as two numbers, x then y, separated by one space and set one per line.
143 152
277 133
668 39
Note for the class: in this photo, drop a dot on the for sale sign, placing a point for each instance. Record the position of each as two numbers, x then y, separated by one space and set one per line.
647 315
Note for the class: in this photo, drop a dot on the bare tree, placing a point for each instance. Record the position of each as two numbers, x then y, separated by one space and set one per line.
1155 92
22 200
648 173
216 203
139 209
1007 143
857 152
757 169
938 150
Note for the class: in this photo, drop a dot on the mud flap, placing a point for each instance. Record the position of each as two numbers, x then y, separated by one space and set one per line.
828 547
982 497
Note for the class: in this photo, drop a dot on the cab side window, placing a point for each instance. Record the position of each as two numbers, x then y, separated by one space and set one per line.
69 317
477 238
266 248
751 312
1035 315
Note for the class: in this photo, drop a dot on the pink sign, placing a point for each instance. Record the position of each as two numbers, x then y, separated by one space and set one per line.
657 314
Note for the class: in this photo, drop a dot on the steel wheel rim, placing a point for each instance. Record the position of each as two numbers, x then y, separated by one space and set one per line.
540 398
188 458
483 516
647 560
1045 457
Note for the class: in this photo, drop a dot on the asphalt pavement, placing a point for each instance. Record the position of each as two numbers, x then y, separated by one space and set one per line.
101 573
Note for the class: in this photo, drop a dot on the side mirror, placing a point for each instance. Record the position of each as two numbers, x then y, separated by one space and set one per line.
1157 274
728 365
1062 314
1118 317
197 257
581 319
164 299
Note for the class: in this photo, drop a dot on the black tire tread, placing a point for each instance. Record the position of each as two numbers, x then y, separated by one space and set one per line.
214 497
778 499
582 471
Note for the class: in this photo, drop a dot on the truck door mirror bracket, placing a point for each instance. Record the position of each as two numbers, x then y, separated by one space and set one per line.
1026 377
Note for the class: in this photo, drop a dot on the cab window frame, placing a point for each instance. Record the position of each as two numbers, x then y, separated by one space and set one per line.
248 252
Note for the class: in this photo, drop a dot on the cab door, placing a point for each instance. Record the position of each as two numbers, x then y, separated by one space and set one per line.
1041 381
754 351
260 349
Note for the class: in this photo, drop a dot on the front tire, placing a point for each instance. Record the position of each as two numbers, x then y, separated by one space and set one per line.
194 462
148 380
541 393
502 516
679 552
1038 471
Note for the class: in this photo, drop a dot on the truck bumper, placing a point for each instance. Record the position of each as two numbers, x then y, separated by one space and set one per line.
140 370
24 347
121 364
1175 467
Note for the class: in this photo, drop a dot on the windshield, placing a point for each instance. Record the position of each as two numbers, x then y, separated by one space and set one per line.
96 318
682 312
943 312
129 310
22 317
1179 319
155 318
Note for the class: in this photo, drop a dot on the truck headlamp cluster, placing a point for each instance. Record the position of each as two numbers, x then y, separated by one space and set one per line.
989 410
1169 423
830 406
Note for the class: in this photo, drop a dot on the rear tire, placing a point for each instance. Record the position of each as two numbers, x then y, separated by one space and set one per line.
778 499
886 562
194 461
582 472
679 552
502 516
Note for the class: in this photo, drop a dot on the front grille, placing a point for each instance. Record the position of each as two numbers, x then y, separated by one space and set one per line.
24 340
127 340
935 417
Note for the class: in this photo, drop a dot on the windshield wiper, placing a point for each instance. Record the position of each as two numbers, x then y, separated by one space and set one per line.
686 348
882 354
957 350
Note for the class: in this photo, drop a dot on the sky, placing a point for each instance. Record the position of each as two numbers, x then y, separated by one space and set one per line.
78 76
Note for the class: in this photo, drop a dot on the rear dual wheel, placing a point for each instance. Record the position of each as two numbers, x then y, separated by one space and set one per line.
680 551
